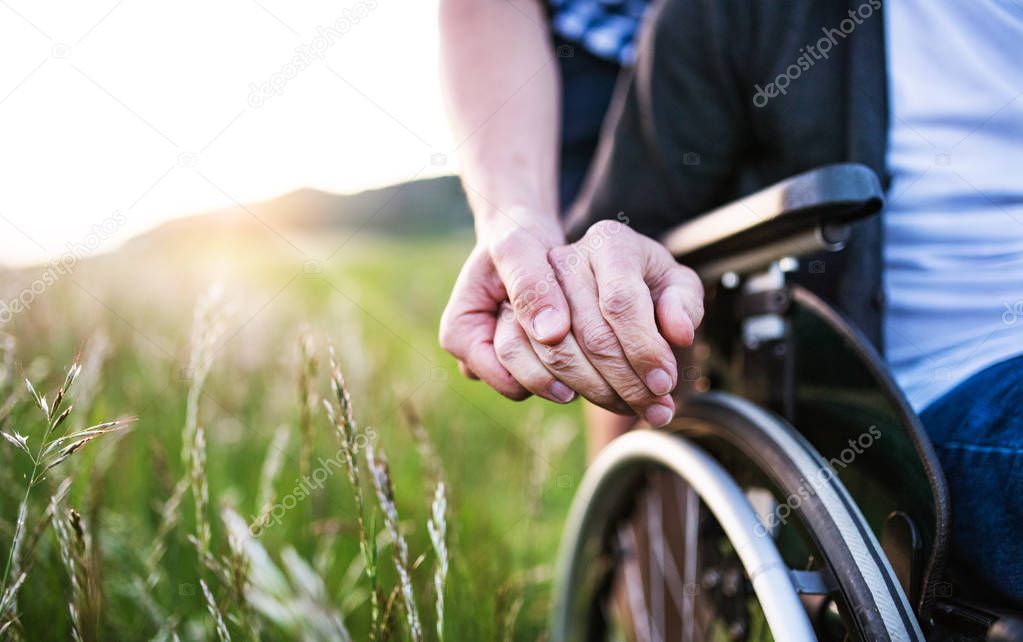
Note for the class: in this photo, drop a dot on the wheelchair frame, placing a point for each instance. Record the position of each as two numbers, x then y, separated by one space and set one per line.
873 562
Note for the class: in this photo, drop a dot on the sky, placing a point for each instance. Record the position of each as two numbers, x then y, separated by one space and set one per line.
116 115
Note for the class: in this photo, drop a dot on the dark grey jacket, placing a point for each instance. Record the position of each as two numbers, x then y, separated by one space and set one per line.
688 132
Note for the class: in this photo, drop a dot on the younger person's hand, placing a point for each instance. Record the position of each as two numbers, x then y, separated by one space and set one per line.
507 265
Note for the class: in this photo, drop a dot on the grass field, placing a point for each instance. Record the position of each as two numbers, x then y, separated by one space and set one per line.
129 566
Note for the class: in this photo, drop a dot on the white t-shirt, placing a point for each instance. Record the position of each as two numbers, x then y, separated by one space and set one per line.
953 225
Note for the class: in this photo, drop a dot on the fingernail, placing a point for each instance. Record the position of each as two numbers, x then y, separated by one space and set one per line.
658 415
561 392
659 382
545 323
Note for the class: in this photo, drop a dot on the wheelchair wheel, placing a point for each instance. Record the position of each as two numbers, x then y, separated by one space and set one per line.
743 575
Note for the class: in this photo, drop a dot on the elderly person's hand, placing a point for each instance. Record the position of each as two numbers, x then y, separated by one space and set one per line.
630 303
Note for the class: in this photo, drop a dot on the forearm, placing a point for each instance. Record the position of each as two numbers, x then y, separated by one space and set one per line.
501 85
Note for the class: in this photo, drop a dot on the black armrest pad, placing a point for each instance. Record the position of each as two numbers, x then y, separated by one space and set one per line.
830 195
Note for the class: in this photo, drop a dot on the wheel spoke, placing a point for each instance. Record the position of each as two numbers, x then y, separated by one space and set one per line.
692 560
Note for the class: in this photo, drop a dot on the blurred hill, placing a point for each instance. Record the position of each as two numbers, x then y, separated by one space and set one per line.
424 208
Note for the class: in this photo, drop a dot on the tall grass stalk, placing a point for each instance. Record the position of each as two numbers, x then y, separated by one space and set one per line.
218 617
388 618
295 600
7 601
385 495
307 367
239 569
343 419
437 524
7 377
200 491
53 450
427 451
97 351
272 464
70 560
438 529
170 515
207 327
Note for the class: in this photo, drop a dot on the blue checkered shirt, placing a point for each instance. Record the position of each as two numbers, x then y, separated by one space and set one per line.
605 28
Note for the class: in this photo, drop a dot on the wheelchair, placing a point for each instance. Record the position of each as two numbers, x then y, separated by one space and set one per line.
796 495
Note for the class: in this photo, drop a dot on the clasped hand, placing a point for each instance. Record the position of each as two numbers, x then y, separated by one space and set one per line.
596 318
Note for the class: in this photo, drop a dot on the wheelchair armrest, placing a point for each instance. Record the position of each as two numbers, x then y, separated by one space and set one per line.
798 216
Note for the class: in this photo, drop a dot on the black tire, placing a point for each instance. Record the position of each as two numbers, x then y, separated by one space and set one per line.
834 523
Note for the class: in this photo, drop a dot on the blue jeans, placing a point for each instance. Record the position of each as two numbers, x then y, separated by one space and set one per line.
977 430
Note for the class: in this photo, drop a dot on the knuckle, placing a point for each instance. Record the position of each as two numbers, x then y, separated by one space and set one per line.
607 233
507 350
635 393
697 312
695 285
559 253
565 259
645 354
693 278
599 340
645 344
693 294
529 290
618 301
654 248
534 380
558 357
610 400
448 339
606 228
